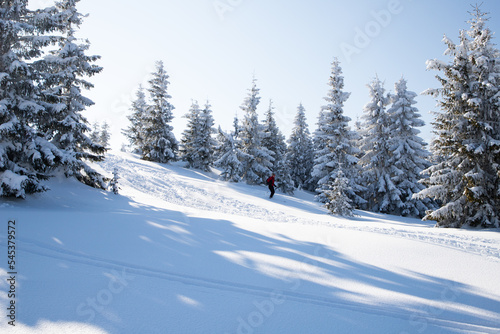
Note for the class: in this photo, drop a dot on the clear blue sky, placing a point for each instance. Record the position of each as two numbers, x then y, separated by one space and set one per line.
212 48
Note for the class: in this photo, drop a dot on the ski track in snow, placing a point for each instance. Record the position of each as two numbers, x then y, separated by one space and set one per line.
173 187
45 250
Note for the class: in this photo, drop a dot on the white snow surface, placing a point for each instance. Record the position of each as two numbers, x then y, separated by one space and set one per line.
178 251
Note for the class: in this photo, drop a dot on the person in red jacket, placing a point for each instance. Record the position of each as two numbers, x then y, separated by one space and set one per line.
270 183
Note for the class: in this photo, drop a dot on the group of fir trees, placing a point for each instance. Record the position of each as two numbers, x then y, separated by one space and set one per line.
255 149
150 132
466 178
197 144
379 172
377 167
251 152
461 186
394 156
100 134
383 166
43 69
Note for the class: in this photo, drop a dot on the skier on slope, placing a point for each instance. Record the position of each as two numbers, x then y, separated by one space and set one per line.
270 183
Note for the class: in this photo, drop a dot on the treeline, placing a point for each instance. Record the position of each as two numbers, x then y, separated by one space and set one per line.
377 167
381 165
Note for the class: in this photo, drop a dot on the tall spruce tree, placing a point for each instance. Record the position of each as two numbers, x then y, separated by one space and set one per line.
382 194
229 157
206 142
300 155
95 132
105 136
65 126
136 133
197 144
334 140
256 160
188 151
160 144
26 157
408 153
274 141
467 179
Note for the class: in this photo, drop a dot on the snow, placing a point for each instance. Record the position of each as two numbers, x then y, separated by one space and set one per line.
13 181
179 251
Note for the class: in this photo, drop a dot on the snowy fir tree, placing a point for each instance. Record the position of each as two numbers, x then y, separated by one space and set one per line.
160 144
65 126
135 133
197 144
104 135
229 157
467 179
338 201
408 153
256 160
113 184
274 141
100 134
382 194
236 127
188 150
26 156
206 141
300 155
95 132
334 141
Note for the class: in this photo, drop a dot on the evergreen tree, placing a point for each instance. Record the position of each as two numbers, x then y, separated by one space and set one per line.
197 145
114 182
65 126
104 135
382 194
26 157
230 155
206 142
95 132
188 150
236 127
334 139
256 160
408 153
300 155
338 201
160 144
100 134
136 131
274 141
467 179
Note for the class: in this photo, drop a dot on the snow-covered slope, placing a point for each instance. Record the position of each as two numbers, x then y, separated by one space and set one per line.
180 252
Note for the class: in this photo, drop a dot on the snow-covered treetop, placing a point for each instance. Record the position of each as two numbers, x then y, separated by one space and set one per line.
336 96
252 100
